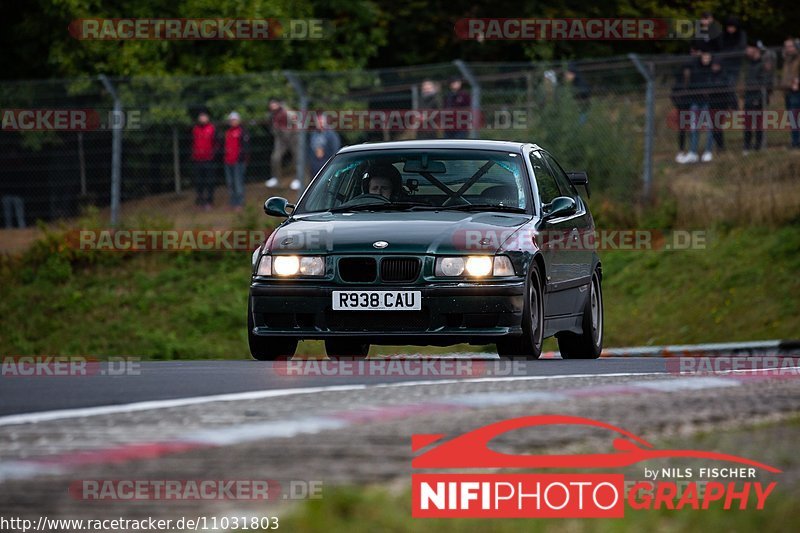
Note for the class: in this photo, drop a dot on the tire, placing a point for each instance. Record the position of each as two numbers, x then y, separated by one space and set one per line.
268 348
588 344
529 344
346 347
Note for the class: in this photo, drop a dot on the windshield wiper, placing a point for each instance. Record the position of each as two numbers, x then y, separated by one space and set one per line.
481 207
391 206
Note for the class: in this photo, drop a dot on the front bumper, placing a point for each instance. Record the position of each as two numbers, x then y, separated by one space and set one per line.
451 312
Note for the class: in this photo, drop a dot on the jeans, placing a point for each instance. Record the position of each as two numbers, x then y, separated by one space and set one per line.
694 139
793 106
16 205
204 182
234 178
754 123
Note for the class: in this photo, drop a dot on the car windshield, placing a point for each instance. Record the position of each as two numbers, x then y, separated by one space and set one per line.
480 180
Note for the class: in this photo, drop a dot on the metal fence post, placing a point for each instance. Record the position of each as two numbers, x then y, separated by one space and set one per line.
475 100
116 150
297 85
649 125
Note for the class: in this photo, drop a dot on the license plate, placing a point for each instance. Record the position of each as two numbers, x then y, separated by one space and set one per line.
377 300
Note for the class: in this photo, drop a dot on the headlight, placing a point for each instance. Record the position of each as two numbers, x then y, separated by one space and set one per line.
449 266
474 266
478 265
291 265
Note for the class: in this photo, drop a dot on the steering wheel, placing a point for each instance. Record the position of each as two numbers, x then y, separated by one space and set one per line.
366 198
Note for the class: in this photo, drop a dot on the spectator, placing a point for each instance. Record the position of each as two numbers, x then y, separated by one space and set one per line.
681 99
13 205
758 85
237 152
701 84
719 100
323 144
284 141
429 99
733 43
457 99
790 84
709 35
580 91
204 148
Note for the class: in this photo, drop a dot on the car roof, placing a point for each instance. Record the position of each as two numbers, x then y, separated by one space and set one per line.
465 144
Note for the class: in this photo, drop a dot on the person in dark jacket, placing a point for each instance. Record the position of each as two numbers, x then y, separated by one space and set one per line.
455 100
733 43
204 148
681 99
702 84
759 70
236 155
323 143
790 83
709 34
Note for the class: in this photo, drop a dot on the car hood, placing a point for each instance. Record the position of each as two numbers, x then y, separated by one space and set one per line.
443 232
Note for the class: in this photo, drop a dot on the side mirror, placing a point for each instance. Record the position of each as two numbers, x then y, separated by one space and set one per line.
276 206
562 206
580 178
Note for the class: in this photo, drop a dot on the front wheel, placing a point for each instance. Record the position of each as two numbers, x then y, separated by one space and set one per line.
588 344
529 344
268 348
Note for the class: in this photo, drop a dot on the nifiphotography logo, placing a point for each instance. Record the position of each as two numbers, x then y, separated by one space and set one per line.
730 485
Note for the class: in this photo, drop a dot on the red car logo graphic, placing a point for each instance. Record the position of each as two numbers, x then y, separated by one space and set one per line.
471 450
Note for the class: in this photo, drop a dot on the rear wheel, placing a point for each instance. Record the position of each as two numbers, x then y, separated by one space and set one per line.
588 344
268 348
529 344
346 347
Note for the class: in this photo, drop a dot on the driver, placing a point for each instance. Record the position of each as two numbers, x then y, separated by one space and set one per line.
383 179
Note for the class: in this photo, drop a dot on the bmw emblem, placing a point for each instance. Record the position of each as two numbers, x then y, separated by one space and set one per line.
380 244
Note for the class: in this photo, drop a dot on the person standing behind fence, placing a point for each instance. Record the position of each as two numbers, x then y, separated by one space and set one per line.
733 43
790 84
237 152
457 100
757 87
283 140
701 84
204 148
323 144
679 94
429 100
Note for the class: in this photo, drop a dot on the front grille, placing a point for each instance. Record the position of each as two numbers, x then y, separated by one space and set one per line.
357 269
399 268
377 320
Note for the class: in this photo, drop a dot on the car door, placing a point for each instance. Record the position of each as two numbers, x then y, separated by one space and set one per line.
578 250
552 235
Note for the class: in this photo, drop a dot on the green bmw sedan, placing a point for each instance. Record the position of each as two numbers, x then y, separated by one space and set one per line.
432 242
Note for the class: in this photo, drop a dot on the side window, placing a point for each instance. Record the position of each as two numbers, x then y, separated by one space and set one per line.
545 182
566 186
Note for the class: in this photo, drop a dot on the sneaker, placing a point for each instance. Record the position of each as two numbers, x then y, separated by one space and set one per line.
680 157
295 185
707 157
271 183
691 157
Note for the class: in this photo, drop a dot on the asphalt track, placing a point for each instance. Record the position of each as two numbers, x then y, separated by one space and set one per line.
155 381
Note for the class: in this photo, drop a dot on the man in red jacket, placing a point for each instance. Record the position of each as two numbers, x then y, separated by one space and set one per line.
237 152
204 147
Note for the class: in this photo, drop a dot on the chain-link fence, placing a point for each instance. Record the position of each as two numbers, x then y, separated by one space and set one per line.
136 151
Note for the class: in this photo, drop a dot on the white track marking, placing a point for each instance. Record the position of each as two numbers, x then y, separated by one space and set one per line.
62 414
